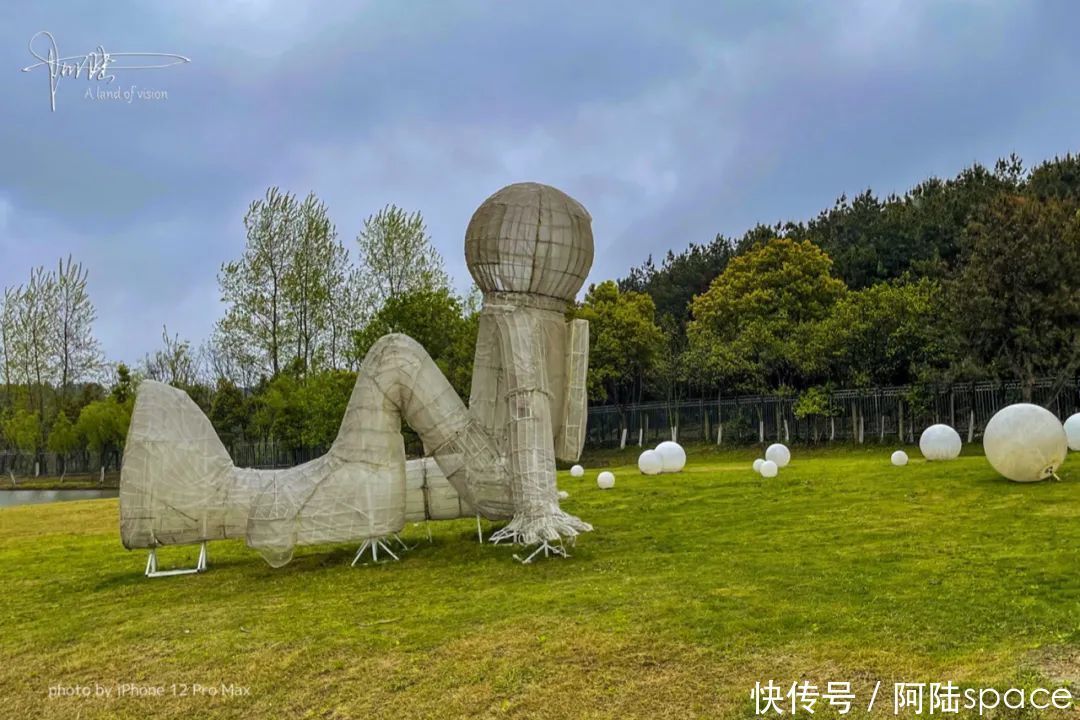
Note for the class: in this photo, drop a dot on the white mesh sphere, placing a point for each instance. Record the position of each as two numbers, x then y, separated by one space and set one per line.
779 454
1025 442
757 464
650 463
530 238
577 471
672 456
940 442
1072 431
899 458
563 494
769 469
605 480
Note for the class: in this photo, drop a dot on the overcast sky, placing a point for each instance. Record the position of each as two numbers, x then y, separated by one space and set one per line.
670 122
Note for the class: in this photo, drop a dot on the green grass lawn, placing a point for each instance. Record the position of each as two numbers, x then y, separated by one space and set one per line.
691 588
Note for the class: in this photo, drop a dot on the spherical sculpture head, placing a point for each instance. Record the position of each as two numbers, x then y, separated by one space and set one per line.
530 238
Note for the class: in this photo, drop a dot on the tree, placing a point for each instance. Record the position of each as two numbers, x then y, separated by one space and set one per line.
76 349
290 293
1015 303
33 318
886 334
754 322
103 426
397 257
229 412
438 320
22 430
681 276
123 389
624 343
174 364
812 404
63 440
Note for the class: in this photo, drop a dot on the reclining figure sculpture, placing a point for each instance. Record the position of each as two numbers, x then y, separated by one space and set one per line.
529 248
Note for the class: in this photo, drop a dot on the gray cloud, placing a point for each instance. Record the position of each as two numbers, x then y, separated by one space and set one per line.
670 124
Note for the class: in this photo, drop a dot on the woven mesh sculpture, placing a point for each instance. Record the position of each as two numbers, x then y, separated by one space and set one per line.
529 247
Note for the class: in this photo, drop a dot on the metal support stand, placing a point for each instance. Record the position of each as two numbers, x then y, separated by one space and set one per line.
548 549
479 531
374 544
152 566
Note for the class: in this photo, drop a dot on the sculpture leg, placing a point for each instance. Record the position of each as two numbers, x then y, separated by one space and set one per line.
530 442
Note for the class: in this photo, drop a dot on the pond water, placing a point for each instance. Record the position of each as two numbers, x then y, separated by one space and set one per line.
9 498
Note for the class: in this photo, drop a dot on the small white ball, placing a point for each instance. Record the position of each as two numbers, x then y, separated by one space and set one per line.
1025 442
757 465
577 471
769 469
605 480
779 454
899 458
650 463
672 455
563 494
1072 431
940 442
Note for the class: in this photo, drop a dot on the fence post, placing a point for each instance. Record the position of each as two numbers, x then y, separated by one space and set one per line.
971 426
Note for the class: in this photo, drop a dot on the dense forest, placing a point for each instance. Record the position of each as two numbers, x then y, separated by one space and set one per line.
974 277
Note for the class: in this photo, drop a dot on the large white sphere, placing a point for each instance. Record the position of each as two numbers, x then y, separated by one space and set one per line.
650 463
779 454
577 471
1025 442
940 442
899 458
757 464
672 456
605 480
1072 431
769 469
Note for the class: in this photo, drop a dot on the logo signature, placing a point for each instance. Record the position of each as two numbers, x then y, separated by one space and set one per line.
96 66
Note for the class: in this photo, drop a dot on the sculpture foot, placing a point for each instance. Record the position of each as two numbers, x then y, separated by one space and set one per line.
548 549
152 566
555 527
375 545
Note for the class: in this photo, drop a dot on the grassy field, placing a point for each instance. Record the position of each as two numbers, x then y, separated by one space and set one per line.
692 588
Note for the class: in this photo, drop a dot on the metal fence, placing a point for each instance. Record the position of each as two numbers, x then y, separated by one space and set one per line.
47 464
864 415
884 414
